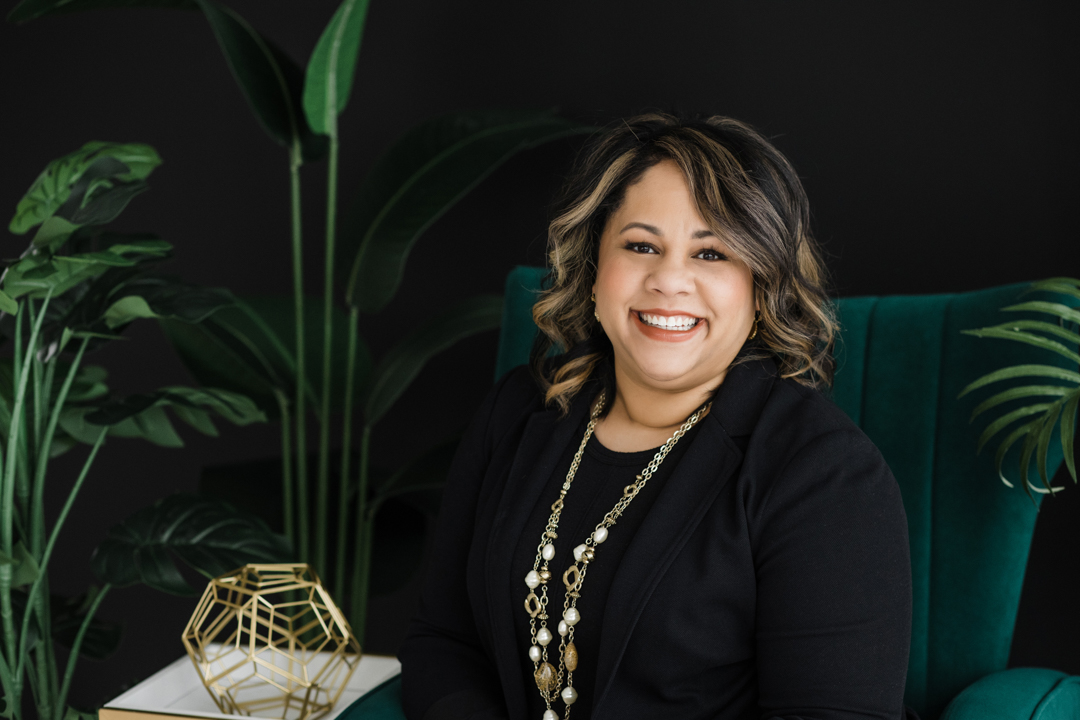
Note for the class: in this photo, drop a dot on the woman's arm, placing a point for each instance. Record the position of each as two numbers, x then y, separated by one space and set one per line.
446 673
834 585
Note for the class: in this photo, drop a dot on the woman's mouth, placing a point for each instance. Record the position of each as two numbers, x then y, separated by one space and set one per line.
677 323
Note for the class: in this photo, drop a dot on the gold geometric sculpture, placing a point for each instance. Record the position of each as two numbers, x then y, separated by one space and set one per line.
268 640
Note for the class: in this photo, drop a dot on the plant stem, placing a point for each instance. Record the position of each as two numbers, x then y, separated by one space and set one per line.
287 493
43 566
362 552
36 380
328 346
38 510
346 453
296 159
70 669
18 412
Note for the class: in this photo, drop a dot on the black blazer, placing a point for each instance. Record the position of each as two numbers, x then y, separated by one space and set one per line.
770 579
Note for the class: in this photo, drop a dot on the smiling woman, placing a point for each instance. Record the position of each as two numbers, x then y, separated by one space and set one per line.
745 544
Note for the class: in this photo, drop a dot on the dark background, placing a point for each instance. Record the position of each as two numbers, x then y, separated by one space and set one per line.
936 141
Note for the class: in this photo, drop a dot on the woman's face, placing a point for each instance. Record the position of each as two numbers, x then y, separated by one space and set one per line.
673 300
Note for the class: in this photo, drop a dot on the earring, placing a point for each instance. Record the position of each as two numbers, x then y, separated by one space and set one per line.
753 333
595 314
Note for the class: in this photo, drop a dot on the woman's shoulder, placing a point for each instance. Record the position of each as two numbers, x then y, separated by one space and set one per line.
515 395
805 414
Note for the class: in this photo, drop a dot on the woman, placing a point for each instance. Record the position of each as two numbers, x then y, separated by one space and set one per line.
669 520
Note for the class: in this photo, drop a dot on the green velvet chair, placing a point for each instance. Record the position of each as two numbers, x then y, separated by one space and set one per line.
902 361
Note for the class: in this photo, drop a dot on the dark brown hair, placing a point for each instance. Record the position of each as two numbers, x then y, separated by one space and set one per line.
747 193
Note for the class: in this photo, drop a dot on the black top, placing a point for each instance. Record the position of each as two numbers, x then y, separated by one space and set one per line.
598 485
768 579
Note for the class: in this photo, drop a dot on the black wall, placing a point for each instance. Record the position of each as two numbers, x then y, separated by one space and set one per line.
936 142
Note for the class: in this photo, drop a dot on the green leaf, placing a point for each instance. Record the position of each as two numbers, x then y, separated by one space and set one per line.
1017 371
1057 309
999 424
1028 338
121 163
127 309
330 70
404 361
1019 392
1041 326
102 637
1008 442
269 79
32 9
36 276
250 348
54 232
215 362
8 304
1045 433
208 535
1064 286
143 415
1068 433
422 176
25 569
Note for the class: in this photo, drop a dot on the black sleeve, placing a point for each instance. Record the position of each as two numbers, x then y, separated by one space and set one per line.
446 674
834 585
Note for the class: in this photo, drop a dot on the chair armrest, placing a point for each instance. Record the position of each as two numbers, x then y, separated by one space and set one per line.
1018 694
380 703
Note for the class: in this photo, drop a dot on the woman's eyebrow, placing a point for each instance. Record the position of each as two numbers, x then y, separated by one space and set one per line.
647 228
656 231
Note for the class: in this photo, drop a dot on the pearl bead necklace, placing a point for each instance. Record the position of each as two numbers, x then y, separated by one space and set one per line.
549 680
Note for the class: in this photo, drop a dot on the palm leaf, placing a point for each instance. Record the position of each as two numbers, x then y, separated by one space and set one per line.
1068 432
1028 338
1064 312
1065 286
1005 420
1018 371
1017 393
1008 442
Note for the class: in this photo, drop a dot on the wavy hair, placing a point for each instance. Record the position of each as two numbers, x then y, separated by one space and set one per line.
746 191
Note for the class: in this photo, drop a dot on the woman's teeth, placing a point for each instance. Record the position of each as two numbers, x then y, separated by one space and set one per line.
677 322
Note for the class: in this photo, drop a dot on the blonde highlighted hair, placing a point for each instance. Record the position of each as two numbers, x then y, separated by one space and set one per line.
747 193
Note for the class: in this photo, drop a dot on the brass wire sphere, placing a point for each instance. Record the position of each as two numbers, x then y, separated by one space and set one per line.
268 640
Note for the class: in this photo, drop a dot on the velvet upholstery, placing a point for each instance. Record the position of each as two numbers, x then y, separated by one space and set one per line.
901 363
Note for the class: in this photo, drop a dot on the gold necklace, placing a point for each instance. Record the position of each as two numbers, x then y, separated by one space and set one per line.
548 679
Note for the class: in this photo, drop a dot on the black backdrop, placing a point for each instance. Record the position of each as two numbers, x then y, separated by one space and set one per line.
935 140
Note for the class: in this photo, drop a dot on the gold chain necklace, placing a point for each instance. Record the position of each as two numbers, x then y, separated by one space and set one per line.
548 679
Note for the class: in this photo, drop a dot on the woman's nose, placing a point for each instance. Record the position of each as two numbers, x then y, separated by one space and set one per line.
671 276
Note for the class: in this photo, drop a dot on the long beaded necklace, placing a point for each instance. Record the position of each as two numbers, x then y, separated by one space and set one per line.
548 679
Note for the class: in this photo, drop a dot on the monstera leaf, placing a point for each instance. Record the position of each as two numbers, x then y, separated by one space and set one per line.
143 416
207 535
87 187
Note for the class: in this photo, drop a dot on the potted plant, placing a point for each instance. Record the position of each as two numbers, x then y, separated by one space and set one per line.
264 347
76 288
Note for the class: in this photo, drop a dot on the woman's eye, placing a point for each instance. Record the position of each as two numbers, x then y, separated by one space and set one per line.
642 248
710 254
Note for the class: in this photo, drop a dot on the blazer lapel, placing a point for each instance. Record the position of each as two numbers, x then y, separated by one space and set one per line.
543 443
708 465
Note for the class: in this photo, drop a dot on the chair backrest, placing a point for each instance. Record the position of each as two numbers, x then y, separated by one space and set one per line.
902 361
